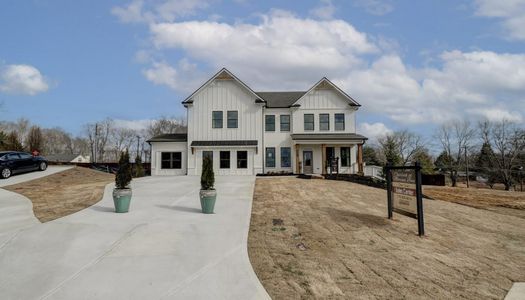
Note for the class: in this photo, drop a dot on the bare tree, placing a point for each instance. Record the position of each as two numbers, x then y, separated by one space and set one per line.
400 147
455 138
98 135
121 138
508 143
56 140
35 139
166 125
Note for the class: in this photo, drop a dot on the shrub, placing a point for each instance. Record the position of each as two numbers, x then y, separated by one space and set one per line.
139 169
123 177
207 176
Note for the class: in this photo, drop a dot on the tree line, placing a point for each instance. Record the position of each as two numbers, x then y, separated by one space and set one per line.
494 150
103 141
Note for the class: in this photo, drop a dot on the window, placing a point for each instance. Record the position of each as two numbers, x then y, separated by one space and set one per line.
324 122
207 154
345 156
217 119
339 121
225 159
308 122
232 118
171 160
269 121
285 157
242 159
270 157
13 156
25 155
285 122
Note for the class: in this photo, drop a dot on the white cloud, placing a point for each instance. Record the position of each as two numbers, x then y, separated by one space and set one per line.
511 12
138 11
325 10
498 114
22 79
184 78
373 130
375 7
281 45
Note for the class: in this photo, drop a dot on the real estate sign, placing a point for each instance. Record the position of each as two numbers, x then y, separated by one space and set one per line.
404 192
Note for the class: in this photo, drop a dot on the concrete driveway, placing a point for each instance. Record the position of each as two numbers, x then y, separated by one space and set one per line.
16 211
164 248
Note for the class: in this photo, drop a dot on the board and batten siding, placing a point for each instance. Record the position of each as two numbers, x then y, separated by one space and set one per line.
323 101
278 139
224 95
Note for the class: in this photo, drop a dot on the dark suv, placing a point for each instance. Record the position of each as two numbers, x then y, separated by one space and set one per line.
13 162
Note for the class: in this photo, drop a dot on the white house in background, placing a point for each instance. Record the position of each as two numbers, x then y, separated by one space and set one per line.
247 133
68 158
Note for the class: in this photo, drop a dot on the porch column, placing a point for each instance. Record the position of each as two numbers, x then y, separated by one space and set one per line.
297 163
323 155
360 159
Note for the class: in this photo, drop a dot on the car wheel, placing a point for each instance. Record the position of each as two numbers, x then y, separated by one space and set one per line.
6 173
42 166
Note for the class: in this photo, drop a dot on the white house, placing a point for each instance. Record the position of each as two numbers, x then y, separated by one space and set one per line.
246 132
68 158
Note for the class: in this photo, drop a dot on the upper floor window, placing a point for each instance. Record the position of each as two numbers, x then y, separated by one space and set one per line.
324 122
224 159
269 122
216 119
308 121
233 116
339 121
285 122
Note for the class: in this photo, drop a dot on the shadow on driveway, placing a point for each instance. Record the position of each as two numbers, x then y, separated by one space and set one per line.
181 208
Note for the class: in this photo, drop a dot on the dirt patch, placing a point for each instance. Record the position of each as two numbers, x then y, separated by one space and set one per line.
500 201
63 193
332 240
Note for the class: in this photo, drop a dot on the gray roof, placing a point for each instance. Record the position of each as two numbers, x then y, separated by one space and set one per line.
328 136
61 157
170 137
224 143
280 99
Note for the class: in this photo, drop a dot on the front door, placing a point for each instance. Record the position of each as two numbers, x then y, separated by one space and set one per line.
308 167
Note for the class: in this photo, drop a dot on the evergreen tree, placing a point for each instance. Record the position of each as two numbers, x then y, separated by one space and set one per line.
391 151
207 176
3 141
139 169
425 159
13 142
123 177
370 156
485 164
444 161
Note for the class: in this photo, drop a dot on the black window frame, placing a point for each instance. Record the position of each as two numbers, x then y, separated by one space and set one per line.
225 160
267 161
289 165
174 163
336 122
312 122
241 161
220 122
326 122
281 123
266 123
235 120
346 161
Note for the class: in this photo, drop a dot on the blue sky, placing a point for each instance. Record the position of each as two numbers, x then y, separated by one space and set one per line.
411 64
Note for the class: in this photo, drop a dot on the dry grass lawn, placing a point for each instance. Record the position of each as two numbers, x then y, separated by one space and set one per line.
63 193
500 201
320 239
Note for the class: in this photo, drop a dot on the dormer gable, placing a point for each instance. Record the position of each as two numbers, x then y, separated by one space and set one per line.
327 88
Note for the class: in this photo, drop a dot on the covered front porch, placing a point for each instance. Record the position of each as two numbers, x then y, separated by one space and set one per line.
328 153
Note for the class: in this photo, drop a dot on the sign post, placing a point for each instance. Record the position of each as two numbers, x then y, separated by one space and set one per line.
404 193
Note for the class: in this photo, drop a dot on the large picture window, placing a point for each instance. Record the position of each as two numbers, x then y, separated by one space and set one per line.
286 157
270 157
269 122
216 119
339 121
345 156
285 122
242 159
324 122
308 122
171 160
225 159
233 119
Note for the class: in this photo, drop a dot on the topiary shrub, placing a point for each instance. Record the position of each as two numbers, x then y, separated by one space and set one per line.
207 176
123 177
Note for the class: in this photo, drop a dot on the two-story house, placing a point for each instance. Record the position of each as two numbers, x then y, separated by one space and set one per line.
247 133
